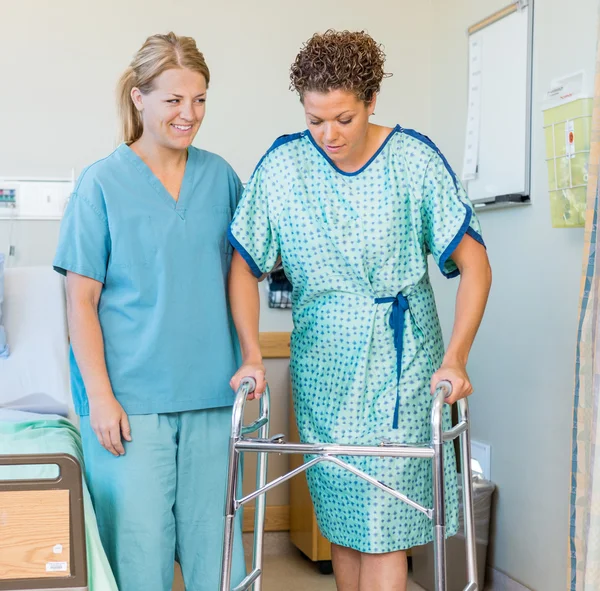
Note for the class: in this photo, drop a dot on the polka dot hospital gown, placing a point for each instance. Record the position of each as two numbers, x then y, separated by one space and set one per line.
355 248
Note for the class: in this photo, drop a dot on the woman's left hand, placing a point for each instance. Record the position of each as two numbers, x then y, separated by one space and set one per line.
456 374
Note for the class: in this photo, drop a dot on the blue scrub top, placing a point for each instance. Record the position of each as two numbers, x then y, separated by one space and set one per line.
169 342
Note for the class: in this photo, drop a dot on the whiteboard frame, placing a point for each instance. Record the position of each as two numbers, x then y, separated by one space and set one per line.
524 198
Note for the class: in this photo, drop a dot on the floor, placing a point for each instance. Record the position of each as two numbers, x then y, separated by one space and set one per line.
285 569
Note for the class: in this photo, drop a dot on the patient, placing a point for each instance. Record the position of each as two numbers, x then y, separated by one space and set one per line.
143 245
353 209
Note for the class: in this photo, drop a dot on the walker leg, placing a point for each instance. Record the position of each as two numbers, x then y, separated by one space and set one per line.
261 480
439 529
467 487
253 580
232 482
439 504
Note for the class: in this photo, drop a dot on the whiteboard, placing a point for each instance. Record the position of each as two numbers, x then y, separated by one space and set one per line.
502 109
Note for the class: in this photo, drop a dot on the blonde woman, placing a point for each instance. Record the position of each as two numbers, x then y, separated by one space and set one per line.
144 247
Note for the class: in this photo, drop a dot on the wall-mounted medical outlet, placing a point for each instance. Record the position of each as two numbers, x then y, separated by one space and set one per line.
8 197
34 199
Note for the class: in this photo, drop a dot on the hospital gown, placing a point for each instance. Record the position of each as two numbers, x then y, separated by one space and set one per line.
366 336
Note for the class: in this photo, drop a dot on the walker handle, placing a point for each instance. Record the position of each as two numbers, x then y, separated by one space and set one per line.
251 382
446 386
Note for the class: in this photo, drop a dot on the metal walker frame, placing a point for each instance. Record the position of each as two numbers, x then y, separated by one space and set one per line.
263 445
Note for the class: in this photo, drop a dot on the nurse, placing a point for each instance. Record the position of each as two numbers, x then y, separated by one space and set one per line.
144 246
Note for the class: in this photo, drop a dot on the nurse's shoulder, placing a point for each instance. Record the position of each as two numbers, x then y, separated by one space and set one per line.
95 180
221 173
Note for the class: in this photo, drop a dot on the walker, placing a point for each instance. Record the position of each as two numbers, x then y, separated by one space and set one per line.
263 445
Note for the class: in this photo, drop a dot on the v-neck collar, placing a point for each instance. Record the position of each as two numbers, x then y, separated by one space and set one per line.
395 130
179 205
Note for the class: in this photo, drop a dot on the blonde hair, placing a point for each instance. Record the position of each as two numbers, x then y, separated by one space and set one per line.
158 54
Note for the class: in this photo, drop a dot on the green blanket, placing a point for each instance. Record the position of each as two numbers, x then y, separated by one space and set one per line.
57 435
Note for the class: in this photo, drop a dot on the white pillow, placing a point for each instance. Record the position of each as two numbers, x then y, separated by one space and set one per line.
35 377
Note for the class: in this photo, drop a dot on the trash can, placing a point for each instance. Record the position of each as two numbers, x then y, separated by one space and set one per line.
456 568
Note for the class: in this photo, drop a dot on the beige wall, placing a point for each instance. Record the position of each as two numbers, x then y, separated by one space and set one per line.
60 60
522 365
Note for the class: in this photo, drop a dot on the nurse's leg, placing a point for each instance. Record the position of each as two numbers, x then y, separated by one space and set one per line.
200 501
133 497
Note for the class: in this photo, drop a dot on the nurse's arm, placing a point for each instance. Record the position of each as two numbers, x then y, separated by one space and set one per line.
107 417
245 309
475 281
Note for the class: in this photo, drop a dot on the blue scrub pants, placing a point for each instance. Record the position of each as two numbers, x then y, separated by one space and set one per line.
164 499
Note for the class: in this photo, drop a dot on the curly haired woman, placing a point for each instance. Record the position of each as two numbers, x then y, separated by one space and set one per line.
353 210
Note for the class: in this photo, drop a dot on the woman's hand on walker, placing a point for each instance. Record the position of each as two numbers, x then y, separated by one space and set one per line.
250 370
456 374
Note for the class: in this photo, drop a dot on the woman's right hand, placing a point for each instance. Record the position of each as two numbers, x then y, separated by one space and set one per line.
109 421
250 370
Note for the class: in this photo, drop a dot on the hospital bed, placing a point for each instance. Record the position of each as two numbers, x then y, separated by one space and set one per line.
48 532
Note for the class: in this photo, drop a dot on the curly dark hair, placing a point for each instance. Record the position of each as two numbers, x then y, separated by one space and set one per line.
344 60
